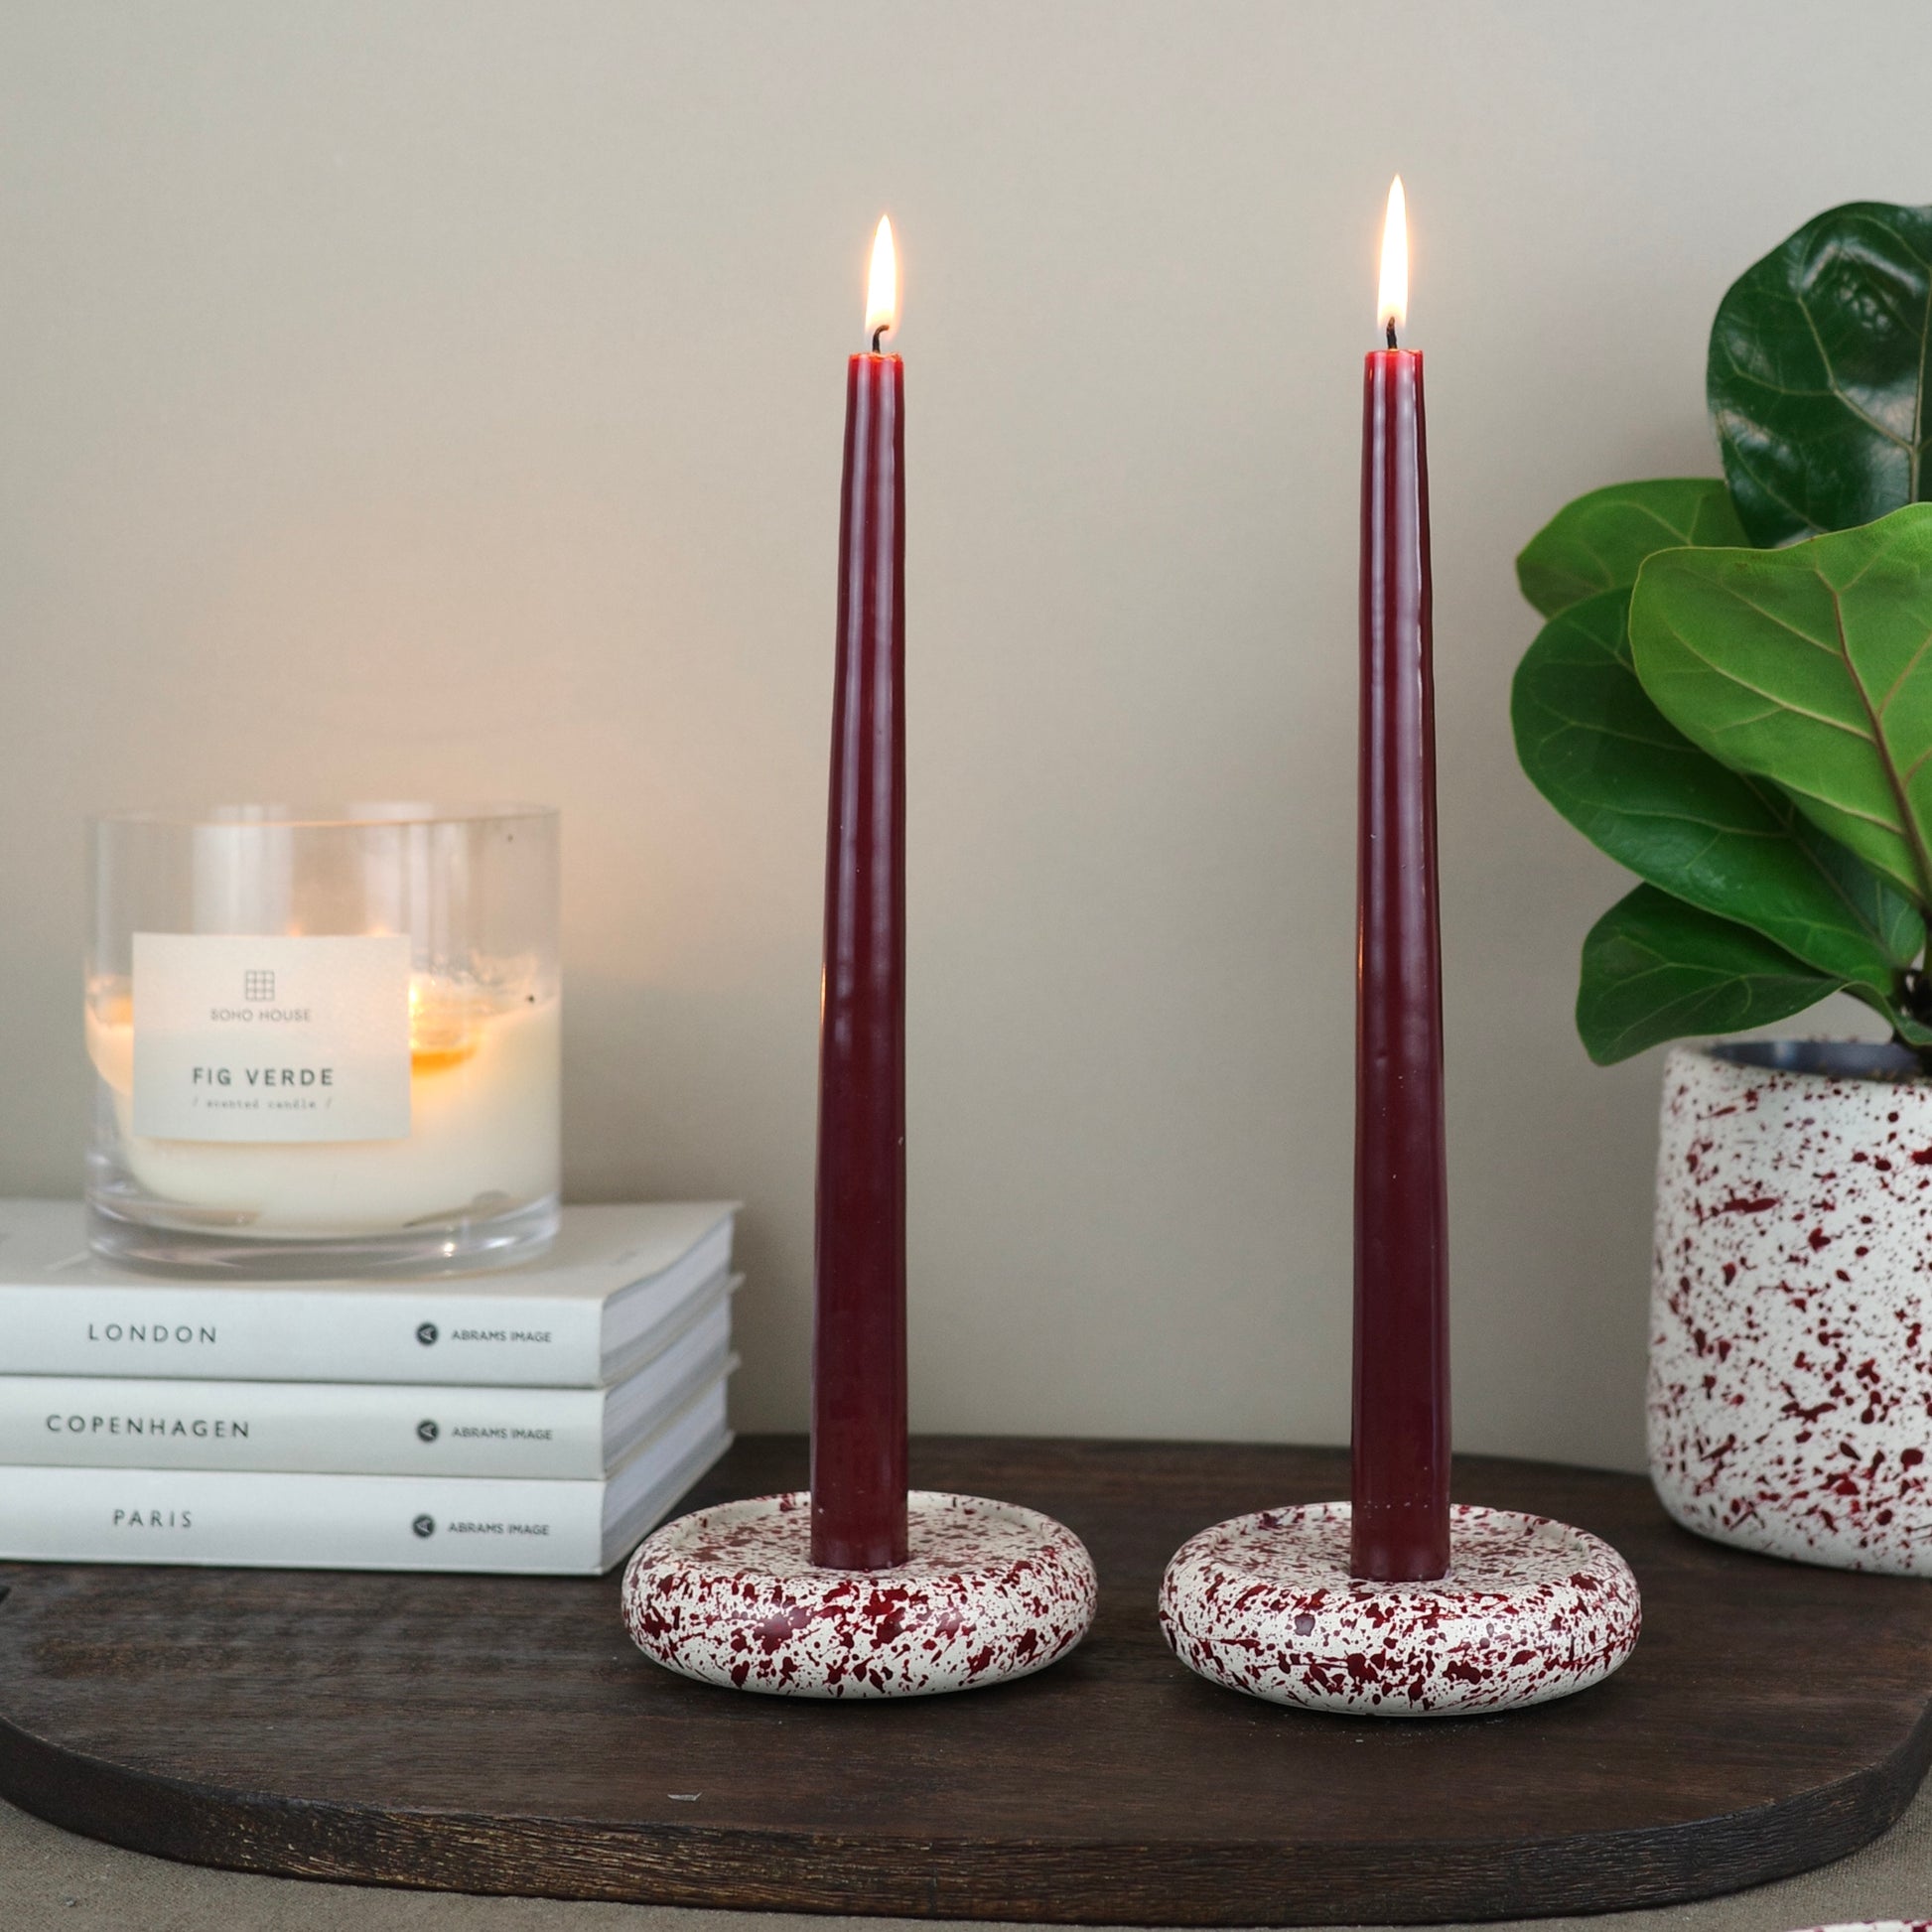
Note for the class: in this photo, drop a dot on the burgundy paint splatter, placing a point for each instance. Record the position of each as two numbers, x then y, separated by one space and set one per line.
1790 1400
1529 1610
988 1592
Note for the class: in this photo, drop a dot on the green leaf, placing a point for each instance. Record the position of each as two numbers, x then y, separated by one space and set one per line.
1811 667
1596 543
1656 969
1818 372
1593 744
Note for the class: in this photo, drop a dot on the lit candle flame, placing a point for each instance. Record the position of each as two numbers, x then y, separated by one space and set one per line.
881 295
444 1025
1393 309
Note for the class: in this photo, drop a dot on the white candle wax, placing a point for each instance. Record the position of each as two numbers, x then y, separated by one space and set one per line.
484 1130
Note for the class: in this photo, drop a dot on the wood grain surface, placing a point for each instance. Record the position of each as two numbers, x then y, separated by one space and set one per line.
499 1735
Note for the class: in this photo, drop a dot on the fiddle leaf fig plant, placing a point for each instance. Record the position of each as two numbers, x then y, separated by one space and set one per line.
1817 374
1656 969
1810 667
1749 729
1600 541
1600 749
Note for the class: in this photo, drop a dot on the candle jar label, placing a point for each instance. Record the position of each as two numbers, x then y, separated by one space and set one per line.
257 1038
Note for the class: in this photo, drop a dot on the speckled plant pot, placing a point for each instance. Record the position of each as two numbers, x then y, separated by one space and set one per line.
1790 1376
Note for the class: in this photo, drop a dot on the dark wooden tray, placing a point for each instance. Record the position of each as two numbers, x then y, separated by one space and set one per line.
501 1736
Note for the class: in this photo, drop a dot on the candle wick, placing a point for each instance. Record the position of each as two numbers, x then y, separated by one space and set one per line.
876 334
1391 329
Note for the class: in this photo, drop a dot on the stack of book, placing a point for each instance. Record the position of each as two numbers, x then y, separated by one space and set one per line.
538 1420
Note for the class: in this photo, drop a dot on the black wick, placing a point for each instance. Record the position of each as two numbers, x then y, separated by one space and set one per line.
1390 325
876 334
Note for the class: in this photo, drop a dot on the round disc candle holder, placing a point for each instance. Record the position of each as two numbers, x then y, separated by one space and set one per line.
988 1592
323 1042
1530 1609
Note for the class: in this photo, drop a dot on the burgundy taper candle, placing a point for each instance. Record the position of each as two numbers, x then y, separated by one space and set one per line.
1400 1461
858 1258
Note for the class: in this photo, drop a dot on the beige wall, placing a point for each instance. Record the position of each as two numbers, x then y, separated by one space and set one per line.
444 399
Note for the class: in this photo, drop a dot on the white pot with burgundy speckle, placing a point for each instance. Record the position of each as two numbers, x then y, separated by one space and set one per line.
1790 1363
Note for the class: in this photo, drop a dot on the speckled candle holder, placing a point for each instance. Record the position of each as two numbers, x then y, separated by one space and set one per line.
1530 1610
988 1591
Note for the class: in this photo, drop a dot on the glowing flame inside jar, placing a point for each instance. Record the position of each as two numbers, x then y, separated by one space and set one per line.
445 1023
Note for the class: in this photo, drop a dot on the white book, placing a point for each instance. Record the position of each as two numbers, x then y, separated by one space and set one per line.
348 1522
608 1293
361 1428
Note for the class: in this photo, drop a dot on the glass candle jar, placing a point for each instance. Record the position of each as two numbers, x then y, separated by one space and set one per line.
323 1042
